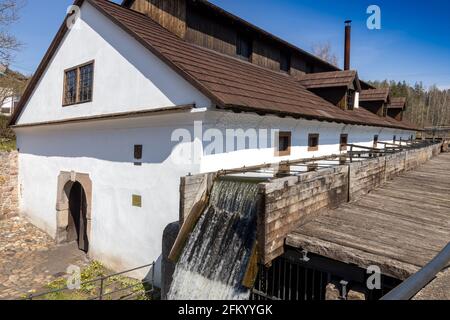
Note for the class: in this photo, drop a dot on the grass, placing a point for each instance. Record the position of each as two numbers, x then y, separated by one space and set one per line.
7 137
7 145
129 286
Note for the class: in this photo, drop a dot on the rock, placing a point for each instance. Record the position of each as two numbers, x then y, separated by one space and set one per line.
356 296
332 292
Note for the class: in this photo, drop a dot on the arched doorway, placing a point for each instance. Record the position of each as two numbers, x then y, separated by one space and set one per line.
77 226
73 209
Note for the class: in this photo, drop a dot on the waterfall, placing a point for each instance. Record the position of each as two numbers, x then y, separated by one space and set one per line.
214 262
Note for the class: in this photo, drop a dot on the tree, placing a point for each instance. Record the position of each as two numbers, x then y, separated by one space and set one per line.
325 52
11 84
9 10
426 106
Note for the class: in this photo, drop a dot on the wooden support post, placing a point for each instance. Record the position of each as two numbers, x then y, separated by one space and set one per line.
189 224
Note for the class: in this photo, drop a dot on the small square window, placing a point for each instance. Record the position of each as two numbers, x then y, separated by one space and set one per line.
313 142
343 142
136 201
375 141
138 151
284 144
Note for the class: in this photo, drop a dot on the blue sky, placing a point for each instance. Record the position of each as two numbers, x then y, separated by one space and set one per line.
413 44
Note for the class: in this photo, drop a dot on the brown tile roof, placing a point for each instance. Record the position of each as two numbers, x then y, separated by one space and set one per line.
329 79
229 82
375 95
398 103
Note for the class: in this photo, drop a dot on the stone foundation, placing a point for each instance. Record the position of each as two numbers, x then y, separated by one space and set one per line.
168 267
9 189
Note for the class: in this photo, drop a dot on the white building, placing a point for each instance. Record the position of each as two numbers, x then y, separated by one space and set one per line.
106 128
9 104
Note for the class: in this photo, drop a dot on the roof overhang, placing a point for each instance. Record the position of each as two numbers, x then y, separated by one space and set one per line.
381 95
332 79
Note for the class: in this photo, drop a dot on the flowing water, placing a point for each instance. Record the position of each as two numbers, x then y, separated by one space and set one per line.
214 262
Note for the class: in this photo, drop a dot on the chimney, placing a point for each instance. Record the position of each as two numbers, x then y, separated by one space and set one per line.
348 35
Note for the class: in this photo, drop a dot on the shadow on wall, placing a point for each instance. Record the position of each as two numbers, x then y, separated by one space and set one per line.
117 145
114 145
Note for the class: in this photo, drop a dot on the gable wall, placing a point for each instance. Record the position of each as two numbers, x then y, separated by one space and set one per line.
127 77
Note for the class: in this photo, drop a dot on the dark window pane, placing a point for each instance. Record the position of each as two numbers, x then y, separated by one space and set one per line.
309 68
138 152
70 90
313 144
284 144
344 142
86 82
375 141
285 62
244 47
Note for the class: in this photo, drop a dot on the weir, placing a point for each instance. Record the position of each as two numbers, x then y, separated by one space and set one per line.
248 228
216 256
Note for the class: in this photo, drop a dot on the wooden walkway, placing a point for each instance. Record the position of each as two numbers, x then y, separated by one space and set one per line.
399 227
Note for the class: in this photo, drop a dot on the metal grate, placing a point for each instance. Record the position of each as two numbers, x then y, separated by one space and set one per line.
295 277
285 280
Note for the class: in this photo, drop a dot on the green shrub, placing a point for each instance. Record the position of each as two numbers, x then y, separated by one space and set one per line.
7 137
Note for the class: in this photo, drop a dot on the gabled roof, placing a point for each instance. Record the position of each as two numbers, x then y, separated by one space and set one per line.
229 82
375 95
397 103
331 79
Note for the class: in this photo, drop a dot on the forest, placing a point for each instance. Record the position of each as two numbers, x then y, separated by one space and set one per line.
427 107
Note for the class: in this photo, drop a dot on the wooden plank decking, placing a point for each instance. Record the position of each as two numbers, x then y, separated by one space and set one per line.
399 227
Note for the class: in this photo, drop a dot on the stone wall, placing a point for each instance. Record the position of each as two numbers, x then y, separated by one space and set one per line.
294 200
366 176
9 191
